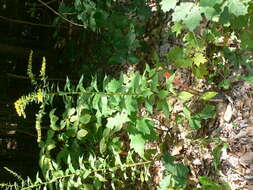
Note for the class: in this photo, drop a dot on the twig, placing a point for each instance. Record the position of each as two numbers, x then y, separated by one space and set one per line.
60 15
26 22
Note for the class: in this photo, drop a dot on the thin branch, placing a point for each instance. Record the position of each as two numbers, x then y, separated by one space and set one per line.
26 22
60 15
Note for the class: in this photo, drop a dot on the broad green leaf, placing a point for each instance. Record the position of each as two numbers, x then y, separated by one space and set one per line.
199 58
113 86
85 118
209 12
187 112
185 95
181 11
167 5
195 123
209 184
115 123
165 183
183 62
200 71
163 94
237 7
208 95
175 53
209 3
137 143
81 134
142 126
224 17
193 18
217 154
207 112
165 108
149 104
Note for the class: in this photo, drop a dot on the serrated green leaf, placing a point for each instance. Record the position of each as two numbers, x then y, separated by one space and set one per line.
185 95
199 58
208 95
193 18
81 134
209 12
167 5
237 7
137 143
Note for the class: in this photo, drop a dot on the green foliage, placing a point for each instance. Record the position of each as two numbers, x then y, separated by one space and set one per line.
208 184
176 174
116 26
97 138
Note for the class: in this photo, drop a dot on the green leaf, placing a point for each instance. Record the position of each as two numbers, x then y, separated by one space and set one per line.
217 154
115 123
163 94
137 143
187 112
142 126
237 7
248 78
209 184
209 3
177 28
81 134
185 95
208 95
113 86
200 71
175 53
195 123
100 177
193 19
183 62
207 112
165 183
71 111
181 11
53 121
199 58
85 118
167 5
209 12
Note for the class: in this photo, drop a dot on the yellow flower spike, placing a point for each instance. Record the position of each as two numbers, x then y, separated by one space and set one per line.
40 95
43 69
19 106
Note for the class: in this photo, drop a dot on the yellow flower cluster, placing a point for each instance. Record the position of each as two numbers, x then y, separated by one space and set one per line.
21 103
